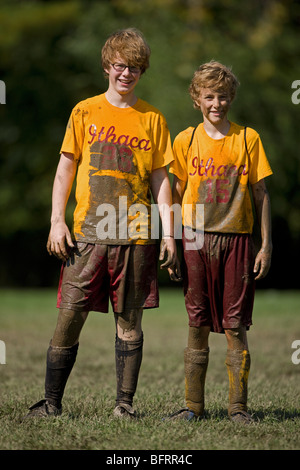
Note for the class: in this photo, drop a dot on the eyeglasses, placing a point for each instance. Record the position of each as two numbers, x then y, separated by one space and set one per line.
122 67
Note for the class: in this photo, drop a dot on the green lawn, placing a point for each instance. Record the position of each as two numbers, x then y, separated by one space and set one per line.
27 320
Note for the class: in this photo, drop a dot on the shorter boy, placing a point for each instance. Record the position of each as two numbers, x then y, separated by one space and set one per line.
215 166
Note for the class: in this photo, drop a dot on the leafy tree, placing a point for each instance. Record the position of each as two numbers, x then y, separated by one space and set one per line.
50 60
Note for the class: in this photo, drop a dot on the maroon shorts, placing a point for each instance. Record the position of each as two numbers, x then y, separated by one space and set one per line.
125 274
219 282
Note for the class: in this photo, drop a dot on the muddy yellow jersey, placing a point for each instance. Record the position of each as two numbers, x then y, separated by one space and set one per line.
217 174
116 149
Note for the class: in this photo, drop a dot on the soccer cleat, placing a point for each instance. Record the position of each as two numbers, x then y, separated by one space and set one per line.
241 417
124 411
183 414
43 409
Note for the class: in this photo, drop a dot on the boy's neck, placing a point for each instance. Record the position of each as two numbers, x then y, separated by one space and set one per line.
216 131
121 101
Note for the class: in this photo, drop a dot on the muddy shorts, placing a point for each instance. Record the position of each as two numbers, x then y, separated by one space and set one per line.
219 282
124 274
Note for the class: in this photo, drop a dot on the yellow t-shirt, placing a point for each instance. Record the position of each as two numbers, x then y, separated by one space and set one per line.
116 149
217 175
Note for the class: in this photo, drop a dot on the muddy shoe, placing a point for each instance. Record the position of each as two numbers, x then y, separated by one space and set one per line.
43 409
183 414
241 417
124 411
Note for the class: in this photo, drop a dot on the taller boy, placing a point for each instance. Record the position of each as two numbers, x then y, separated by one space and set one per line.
120 146
215 167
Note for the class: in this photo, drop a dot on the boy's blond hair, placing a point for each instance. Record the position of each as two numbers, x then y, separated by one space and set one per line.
132 47
215 76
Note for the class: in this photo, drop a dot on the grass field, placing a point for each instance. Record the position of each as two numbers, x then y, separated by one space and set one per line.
27 321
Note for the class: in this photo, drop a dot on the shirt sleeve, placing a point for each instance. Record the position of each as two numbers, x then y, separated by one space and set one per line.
259 164
163 153
74 135
180 149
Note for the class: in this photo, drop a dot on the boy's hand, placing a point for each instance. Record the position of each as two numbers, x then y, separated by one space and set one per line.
175 272
59 241
172 263
262 263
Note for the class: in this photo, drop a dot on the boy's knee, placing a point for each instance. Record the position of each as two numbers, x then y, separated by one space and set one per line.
198 337
129 324
68 328
237 338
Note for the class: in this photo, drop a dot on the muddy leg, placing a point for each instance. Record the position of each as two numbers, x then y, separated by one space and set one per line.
62 353
128 354
238 367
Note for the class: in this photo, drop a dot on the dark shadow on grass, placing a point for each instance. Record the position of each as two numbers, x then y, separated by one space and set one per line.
279 414
218 415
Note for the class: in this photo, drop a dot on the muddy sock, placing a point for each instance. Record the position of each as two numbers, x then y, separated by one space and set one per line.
195 367
128 356
238 367
60 362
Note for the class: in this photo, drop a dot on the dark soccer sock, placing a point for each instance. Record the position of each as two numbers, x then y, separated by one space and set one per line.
128 361
60 362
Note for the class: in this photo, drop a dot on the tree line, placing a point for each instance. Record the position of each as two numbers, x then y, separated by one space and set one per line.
50 60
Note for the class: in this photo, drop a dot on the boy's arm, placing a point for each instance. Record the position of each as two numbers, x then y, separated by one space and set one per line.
59 239
178 190
161 190
263 211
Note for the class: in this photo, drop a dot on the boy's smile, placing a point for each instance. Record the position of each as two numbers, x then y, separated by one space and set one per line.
126 79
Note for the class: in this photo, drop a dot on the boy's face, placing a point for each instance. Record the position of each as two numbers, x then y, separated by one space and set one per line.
122 81
214 105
